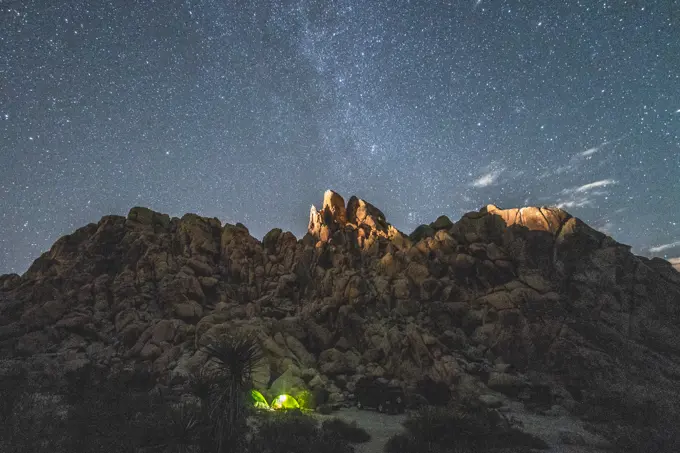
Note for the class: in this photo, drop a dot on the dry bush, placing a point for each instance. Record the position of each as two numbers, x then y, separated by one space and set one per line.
296 433
457 429
345 430
634 419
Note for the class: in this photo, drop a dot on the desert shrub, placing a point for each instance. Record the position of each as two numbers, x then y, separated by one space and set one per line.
234 360
406 443
14 404
436 393
296 433
36 423
662 439
624 406
178 428
634 419
12 389
31 417
100 413
106 416
347 431
432 423
458 430
324 409
518 440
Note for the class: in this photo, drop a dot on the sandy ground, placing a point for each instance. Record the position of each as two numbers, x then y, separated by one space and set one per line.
380 426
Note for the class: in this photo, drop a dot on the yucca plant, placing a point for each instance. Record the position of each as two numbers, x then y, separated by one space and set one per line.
177 430
232 364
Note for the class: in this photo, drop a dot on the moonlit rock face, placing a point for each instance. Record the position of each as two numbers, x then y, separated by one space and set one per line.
676 263
534 218
360 216
335 205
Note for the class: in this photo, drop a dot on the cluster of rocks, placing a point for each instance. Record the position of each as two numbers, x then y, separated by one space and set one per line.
528 303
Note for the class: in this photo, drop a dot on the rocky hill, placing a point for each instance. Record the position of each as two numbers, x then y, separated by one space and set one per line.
531 303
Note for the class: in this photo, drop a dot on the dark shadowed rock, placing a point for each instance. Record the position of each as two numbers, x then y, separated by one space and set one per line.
442 223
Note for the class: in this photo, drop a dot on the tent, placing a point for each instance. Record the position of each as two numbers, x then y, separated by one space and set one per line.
258 400
285 402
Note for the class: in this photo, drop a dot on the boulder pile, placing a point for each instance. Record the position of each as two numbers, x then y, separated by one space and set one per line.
526 303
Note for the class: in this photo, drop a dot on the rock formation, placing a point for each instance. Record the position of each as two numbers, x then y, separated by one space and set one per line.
675 262
529 302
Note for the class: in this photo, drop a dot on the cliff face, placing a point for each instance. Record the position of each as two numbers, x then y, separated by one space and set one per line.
530 302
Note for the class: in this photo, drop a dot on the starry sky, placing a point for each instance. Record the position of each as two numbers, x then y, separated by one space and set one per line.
248 111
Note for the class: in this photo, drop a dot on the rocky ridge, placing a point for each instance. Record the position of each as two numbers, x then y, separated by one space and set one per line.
529 303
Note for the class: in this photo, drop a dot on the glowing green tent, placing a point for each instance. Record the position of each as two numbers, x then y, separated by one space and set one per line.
258 400
285 402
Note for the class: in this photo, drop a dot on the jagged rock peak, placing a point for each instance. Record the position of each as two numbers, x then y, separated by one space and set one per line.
335 215
360 212
360 218
334 205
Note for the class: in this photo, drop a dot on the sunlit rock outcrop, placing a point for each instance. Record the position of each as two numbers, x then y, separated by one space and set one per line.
675 262
359 223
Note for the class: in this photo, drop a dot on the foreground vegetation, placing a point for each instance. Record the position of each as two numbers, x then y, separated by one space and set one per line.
117 421
119 415
97 412
634 421
460 429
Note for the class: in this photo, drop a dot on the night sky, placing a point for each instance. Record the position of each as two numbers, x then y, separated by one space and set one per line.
248 111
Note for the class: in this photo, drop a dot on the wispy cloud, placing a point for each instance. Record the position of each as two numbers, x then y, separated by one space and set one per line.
661 248
590 151
574 202
587 154
607 228
595 149
592 185
580 196
557 171
488 178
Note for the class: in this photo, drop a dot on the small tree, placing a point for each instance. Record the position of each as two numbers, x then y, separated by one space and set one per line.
233 360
